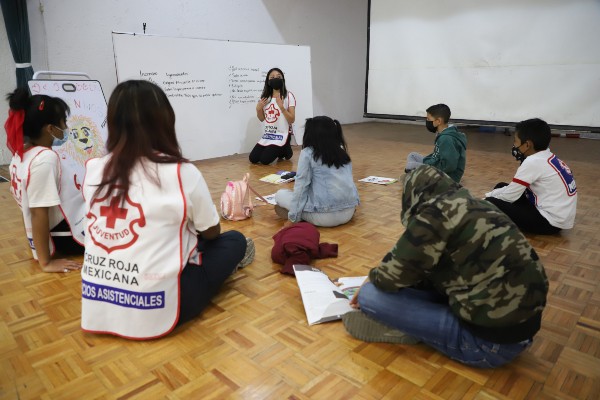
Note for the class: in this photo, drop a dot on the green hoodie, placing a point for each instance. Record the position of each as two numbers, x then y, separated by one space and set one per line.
470 251
449 154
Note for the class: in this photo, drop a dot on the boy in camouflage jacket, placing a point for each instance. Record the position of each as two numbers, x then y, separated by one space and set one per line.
461 278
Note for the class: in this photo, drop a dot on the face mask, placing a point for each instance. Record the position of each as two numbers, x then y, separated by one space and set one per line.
430 127
59 142
276 83
517 153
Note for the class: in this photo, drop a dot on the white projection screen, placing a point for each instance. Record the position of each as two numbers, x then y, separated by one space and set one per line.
492 62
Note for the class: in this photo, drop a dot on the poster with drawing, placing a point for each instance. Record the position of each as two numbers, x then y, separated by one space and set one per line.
87 139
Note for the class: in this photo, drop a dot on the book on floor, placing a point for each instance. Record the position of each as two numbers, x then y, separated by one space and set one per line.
378 180
324 300
279 177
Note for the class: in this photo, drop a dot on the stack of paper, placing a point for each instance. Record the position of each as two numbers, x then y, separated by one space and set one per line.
378 180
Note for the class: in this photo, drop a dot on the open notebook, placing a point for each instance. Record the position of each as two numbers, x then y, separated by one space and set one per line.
324 300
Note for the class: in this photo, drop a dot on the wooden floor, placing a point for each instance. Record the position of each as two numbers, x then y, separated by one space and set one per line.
254 341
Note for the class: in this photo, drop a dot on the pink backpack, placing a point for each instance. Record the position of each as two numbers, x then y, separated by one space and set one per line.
236 203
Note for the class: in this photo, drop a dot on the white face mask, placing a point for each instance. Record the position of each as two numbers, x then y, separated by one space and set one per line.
60 141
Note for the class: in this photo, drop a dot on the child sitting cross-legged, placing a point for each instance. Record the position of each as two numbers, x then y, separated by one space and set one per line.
324 191
542 196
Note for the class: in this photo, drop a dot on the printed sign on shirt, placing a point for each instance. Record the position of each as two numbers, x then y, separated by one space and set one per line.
110 228
565 174
122 297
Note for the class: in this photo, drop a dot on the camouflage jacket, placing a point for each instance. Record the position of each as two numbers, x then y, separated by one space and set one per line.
470 251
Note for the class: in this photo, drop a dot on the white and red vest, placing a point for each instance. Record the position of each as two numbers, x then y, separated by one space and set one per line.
276 127
135 252
71 202
72 206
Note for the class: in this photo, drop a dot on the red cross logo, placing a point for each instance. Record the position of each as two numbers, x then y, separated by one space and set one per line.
15 184
272 113
565 166
112 225
113 212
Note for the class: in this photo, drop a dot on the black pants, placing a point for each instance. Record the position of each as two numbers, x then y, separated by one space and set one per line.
199 284
524 214
267 154
66 245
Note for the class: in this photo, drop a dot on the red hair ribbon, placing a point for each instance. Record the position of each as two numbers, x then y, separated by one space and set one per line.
14 131
41 106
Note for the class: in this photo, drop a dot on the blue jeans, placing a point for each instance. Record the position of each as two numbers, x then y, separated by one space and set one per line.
427 316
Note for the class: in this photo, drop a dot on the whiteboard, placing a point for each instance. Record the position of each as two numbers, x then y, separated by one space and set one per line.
87 139
488 61
86 122
214 86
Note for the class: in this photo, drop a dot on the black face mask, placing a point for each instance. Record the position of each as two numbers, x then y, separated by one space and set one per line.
517 153
276 83
430 127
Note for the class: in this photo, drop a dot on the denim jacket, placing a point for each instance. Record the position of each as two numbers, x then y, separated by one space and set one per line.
319 188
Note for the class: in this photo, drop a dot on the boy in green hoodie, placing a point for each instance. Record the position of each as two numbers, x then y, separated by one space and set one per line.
462 278
449 154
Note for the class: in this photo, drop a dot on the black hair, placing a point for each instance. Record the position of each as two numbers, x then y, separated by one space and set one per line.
40 110
440 111
268 90
324 135
535 130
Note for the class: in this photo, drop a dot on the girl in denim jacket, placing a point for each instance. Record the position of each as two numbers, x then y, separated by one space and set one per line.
324 191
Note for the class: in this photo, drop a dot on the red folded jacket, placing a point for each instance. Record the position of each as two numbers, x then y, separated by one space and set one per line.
299 244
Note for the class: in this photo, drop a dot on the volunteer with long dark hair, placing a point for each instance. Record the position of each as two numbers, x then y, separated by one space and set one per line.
276 110
155 255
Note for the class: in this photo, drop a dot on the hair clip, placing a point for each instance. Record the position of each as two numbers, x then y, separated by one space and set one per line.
41 106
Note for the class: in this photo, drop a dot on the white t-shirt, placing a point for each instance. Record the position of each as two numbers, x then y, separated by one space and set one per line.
551 188
43 187
276 128
200 208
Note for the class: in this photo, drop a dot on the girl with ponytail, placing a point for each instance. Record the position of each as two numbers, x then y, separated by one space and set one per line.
35 124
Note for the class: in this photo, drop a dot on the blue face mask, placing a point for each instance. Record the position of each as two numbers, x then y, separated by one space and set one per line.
59 142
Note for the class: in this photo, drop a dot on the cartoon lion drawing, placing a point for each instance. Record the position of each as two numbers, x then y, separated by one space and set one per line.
85 140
